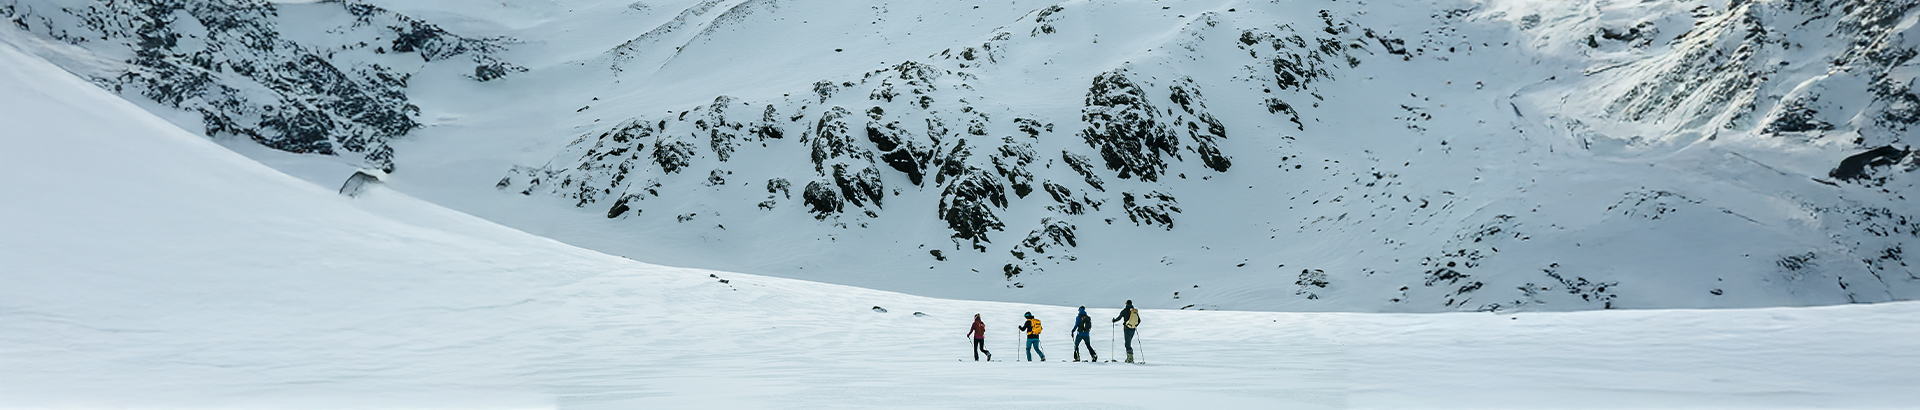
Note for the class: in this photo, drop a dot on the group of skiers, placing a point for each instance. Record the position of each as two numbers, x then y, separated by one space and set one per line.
1082 325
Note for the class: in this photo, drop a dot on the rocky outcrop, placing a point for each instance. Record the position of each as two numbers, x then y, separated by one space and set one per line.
1121 125
1856 166
227 61
1741 68
924 129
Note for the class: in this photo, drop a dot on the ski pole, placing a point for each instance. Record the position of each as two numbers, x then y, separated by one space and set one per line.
1110 337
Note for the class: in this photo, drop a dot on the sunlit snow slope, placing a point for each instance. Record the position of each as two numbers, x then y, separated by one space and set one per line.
144 267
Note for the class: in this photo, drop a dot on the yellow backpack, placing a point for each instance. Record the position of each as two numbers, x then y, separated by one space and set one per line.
1133 318
1034 326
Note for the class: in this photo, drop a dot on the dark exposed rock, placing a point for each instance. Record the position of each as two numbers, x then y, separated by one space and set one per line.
1083 167
1068 204
898 146
912 79
1589 291
859 185
1032 127
954 163
1051 233
1202 129
831 139
1152 208
822 200
779 186
1011 164
359 182
903 160
1855 166
1796 116
674 155
1637 36
1121 125
1651 205
1297 64
722 135
1310 280
717 177
825 89
619 207
967 206
769 125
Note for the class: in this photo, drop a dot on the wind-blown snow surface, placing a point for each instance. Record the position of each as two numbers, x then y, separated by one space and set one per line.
142 266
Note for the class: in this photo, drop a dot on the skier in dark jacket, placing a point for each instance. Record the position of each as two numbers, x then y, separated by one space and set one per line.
1133 321
979 333
1032 327
1081 326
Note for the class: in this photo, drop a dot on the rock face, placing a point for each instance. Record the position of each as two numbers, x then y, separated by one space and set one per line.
228 62
1858 166
1730 71
928 129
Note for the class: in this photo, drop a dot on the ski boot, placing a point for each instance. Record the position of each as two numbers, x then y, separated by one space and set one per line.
1076 356
1129 357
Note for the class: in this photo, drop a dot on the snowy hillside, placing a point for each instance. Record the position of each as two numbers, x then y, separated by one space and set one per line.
322 78
148 268
1299 156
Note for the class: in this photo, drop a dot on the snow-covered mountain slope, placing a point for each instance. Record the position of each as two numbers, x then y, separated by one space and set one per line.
145 267
328 78
1055 156
1228 154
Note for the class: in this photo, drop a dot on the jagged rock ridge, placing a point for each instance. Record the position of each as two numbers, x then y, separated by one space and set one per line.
924 126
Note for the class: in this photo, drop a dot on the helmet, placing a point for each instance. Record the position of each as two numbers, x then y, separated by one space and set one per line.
1029 315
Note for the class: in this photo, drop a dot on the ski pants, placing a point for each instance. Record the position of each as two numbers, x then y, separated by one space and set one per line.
1082 337
1129 332
1033 345
980 346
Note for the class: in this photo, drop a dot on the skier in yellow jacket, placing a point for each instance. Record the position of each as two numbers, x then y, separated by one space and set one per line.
1032 327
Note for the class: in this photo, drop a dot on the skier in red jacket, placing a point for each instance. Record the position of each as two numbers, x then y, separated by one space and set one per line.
979 333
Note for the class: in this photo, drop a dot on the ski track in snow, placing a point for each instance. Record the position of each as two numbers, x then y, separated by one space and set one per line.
145 267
